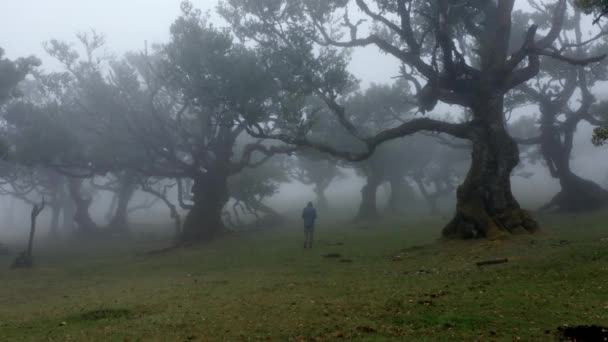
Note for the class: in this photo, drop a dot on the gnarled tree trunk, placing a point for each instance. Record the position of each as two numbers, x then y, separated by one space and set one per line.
485 204
576 194
204 221
368 210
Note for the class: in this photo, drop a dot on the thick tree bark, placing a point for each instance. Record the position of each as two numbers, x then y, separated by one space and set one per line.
368 210
485 204
82 218
204 221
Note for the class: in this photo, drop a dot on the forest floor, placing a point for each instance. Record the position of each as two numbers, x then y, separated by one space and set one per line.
390 282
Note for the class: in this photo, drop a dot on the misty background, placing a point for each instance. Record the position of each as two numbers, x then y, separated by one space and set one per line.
130 25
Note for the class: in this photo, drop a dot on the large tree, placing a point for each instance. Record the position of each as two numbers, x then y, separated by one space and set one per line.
461 51
221 88
46 130
42 136
176 112
377 108
564 99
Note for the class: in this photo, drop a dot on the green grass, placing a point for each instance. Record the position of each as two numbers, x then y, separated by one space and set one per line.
401 285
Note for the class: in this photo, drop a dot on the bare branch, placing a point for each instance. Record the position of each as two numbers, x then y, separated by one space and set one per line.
410 57
268 152
556 26
570 60
407 128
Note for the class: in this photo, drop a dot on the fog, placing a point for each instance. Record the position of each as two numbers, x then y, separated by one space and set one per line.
30 23
130 26
288 170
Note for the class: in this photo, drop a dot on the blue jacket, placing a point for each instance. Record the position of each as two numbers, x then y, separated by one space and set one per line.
309 215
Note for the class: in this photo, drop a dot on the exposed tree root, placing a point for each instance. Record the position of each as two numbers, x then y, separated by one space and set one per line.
577 195
473 222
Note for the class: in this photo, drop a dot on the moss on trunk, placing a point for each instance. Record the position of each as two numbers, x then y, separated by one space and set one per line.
485 206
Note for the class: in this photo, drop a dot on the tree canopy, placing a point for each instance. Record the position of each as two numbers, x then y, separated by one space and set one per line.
597 7
462 54
208 110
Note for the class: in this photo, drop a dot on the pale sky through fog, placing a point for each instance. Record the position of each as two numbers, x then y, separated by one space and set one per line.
127 24
26 24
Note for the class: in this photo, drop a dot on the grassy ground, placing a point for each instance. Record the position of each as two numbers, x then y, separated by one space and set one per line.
392 282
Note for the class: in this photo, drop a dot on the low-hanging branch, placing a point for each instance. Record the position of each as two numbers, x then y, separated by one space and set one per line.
267 151
570 60
460 130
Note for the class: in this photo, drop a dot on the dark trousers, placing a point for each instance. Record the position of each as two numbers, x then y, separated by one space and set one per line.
308 235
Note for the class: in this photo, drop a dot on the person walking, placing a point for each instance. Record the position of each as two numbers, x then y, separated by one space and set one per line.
309 215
